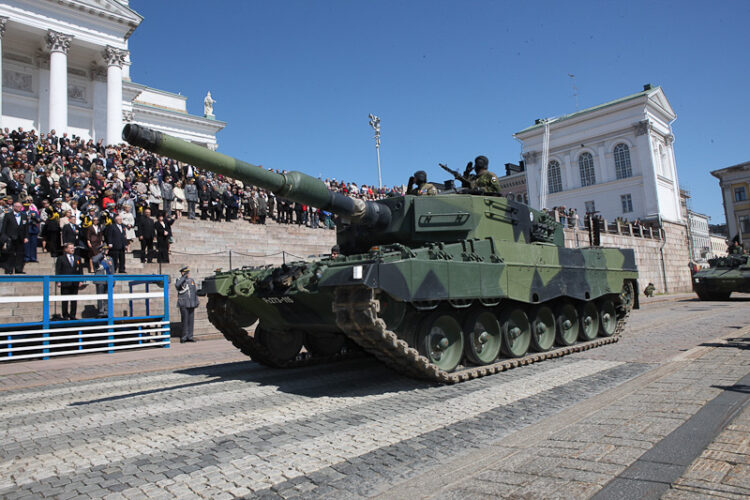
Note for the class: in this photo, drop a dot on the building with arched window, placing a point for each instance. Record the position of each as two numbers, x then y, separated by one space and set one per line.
554 181
616 159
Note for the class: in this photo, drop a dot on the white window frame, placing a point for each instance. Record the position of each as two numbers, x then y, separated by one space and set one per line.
623 167
586 169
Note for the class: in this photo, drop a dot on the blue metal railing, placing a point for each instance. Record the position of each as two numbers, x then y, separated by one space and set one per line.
42 335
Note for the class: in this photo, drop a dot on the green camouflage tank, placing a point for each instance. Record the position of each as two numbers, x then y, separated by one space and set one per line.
445 288
724 276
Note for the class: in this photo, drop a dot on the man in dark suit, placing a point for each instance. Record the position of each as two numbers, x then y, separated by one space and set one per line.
14 234
144 228
69 263
117 243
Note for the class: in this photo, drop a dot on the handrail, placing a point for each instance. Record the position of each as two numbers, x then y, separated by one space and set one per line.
49 335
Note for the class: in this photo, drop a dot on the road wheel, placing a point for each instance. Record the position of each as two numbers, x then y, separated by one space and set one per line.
608 323
516 328
589 315
281 346
627 296
542 328
441 340
482 337
566 317
324 344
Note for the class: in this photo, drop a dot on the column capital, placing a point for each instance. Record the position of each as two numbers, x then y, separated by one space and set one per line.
3 21
58 42
114 56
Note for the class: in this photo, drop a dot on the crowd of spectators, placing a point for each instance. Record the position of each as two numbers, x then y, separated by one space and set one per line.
86 193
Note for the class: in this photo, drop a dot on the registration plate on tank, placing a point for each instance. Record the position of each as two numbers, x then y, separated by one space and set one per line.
278 300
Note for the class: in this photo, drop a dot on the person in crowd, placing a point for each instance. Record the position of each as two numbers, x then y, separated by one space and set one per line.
93 235
179 200
117 243
191 197
146 231
128 220
103 266
68 230
154 196
33 220
187 301
261 207
204 197
217 207
167 196
163 229
52 231
69 264
13 237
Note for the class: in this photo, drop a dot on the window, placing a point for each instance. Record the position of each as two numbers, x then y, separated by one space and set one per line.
744 221
739 194
623 169
553 177
627 203
664 161
590 207
586 166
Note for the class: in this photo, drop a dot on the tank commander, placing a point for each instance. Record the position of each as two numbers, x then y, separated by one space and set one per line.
423 188
484 180
335 251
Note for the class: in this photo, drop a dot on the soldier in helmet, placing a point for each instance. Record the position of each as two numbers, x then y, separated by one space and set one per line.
484 180
423 187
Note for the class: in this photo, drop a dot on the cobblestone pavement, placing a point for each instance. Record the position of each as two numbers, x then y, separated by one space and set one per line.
564 427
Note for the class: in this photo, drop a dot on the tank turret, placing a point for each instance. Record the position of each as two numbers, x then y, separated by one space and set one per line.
408 220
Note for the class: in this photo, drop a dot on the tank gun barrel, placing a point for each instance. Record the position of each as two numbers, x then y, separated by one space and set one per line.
294 186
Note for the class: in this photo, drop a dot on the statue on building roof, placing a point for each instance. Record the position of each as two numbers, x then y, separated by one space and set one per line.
208 105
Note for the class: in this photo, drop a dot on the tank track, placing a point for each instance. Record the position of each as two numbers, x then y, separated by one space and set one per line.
357 309
221 314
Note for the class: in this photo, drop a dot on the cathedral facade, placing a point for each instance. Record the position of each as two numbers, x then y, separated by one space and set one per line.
65 66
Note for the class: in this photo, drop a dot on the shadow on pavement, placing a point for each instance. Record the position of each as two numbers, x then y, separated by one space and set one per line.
358 377
735 342
744 389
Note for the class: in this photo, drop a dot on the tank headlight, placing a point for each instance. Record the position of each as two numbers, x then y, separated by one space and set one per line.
357 272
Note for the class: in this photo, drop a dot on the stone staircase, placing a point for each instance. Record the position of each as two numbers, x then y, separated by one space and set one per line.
202 245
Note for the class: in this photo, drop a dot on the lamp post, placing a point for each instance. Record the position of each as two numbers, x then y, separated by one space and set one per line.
375 124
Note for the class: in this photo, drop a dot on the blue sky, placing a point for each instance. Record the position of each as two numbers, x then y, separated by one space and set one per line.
295 80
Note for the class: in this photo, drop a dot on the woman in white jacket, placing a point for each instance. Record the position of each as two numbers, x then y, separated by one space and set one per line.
179 199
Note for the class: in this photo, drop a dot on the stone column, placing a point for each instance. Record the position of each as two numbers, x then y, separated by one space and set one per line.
115 59
58 45
3 21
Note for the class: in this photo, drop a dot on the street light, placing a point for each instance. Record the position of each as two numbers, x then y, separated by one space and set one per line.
375 124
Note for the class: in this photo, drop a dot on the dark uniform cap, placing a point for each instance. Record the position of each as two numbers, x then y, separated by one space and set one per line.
420 176
481 162
184 269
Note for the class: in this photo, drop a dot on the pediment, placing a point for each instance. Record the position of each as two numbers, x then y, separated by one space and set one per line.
106 8
660 100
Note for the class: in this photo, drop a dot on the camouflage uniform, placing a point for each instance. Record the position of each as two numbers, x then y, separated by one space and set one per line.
427 189
487 182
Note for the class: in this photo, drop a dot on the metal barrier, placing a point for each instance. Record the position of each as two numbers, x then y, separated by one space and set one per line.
55 336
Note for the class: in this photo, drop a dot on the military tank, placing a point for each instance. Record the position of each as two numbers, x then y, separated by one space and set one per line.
445 288
724 276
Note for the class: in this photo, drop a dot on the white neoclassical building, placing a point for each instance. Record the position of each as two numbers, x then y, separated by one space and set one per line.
616 159
65 66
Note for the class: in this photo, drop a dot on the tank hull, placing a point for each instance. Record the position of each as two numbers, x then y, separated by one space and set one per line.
718 283
404 286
